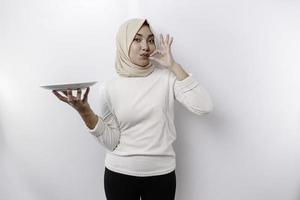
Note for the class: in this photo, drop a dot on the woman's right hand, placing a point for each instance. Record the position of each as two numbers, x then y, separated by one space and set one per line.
81 105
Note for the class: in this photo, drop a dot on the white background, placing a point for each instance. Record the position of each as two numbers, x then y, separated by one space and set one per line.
245 53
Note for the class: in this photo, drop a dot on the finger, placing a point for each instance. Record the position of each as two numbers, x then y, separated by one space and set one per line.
154 53
65 93
162 39
64 99
56 93
78 94
70 96
167 39
171 42
85 98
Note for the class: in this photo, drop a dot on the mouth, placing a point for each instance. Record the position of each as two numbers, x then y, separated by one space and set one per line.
144 55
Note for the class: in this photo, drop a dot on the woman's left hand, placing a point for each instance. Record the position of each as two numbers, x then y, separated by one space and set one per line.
163 55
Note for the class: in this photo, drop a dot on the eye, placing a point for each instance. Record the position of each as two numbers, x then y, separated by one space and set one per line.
137 39
151 40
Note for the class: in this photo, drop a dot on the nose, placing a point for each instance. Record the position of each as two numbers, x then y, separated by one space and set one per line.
144 45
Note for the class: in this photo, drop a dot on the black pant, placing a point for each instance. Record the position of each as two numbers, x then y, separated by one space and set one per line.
125 187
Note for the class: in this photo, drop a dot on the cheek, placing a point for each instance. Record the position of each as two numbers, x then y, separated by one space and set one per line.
132 51
152 48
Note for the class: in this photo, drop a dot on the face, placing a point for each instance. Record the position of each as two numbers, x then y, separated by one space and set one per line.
142 46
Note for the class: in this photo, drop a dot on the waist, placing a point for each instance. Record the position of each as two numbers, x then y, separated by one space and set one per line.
140 165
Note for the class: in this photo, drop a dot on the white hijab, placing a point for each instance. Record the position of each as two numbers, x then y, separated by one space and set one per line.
124 38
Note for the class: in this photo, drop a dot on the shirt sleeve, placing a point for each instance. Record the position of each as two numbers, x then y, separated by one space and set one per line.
192 95
107 129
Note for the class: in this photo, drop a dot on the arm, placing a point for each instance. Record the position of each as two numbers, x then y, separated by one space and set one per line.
107 132
189 92
192 95
89 117
106 129
186 89
179 72
102 128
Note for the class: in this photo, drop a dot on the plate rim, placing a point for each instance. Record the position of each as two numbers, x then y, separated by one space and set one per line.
67 84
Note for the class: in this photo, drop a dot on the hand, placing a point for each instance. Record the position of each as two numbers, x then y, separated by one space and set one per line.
163 55
76 102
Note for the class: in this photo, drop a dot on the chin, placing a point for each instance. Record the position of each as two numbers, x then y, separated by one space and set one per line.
144 64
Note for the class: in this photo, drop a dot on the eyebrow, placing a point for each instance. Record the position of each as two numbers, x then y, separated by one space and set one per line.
151 35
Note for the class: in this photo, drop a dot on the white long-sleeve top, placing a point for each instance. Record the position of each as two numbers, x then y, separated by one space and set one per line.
136 122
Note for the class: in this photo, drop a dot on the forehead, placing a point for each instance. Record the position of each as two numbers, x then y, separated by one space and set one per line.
144 31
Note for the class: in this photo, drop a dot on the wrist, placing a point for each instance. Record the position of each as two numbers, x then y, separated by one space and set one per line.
90 119
174 66
179 72
85 110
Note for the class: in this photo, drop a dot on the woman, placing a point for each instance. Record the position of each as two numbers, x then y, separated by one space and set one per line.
136 123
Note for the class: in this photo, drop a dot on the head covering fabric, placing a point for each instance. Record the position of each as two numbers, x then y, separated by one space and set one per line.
124 38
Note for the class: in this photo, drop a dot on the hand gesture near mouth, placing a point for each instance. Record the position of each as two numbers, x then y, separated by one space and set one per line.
163 55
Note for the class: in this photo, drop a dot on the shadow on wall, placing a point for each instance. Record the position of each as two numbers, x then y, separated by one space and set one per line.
209 126
216 122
